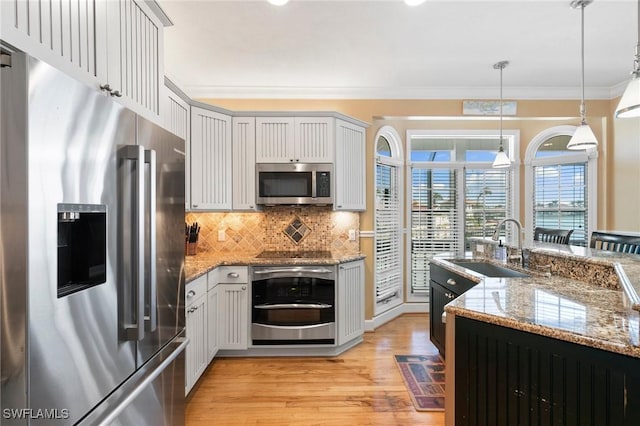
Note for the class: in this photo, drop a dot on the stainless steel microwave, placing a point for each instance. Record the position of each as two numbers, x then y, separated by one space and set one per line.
296 183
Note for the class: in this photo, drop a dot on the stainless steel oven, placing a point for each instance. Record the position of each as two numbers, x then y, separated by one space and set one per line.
293 305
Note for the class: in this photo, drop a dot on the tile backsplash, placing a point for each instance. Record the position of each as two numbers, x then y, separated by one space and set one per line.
255 232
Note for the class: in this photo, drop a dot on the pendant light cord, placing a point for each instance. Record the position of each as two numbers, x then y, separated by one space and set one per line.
583 110
501 68
636 65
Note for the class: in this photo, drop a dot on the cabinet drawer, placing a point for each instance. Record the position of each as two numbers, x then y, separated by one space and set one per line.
458 283
195 289
228 275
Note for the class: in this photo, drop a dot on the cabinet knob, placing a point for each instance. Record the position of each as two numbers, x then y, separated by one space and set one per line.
233 275
451 281
191 294
244 287
195 206
291 160
297 160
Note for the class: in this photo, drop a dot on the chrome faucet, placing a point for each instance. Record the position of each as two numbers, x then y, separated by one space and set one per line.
496 235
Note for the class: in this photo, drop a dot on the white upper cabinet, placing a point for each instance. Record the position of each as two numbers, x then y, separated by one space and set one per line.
244 160
350 172
114 43
61 33
294 139
274 139
130 40
314 138
176 118
211 171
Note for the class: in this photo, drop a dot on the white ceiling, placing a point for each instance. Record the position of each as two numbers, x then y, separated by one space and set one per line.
386 49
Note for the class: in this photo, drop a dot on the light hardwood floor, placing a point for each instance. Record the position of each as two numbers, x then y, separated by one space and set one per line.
359 387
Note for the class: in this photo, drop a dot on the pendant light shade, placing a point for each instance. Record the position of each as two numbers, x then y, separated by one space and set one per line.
501 160
278 2
629 105
583 138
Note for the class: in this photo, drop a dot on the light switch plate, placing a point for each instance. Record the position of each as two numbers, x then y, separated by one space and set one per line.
221 235
352 234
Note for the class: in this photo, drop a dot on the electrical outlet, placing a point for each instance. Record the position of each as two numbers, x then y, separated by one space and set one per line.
352 234
480 248
221 235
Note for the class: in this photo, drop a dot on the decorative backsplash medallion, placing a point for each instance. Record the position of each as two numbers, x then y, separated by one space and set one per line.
297 230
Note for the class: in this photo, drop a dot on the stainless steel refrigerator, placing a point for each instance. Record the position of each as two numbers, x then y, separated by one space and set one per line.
91 256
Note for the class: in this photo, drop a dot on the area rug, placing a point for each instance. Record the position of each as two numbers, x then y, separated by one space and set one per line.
424 377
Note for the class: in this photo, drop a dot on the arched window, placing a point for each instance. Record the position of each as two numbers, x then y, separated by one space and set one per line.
560 185
388 220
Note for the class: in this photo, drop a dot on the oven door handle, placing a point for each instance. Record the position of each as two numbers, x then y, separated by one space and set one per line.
294 306
294 270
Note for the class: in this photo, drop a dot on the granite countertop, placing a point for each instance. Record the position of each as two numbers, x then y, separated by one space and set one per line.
558 307
200 264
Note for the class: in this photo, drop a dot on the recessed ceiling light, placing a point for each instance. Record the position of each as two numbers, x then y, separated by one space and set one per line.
278 2
414 2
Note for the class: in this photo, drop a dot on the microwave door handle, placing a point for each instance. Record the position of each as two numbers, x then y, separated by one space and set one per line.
314 193
135 330
150 317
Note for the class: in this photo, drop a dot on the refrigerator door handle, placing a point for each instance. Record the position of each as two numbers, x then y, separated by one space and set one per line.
151 319
135 330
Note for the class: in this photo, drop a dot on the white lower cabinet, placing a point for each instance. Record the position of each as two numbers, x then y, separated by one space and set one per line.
212 321
234 316
196 329
350 301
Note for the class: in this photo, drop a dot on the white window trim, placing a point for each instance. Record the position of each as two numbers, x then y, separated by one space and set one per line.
514 155
396 159
590 156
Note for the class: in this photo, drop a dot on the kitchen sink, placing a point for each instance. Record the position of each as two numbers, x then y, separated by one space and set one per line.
489 269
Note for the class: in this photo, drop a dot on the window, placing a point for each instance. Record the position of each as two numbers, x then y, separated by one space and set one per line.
388 226
453 194
560 185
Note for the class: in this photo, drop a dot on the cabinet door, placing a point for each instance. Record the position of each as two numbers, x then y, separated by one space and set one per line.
210 160
233 316
438 297
176 119
212 323
244 163
130 39
196 330
62 33
350 167
274 140
314 139
350 301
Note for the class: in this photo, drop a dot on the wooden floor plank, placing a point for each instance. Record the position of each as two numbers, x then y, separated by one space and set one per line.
359 387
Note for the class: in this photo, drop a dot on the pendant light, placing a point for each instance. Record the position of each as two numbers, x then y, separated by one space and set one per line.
583 138
278 2
501 160
629 105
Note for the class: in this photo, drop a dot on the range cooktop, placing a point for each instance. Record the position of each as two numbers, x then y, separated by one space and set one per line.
283 254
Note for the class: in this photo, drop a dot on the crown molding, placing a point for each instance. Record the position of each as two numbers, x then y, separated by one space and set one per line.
520 93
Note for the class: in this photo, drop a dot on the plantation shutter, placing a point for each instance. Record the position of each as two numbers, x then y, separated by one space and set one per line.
434 220
388 219
560 199
487 200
